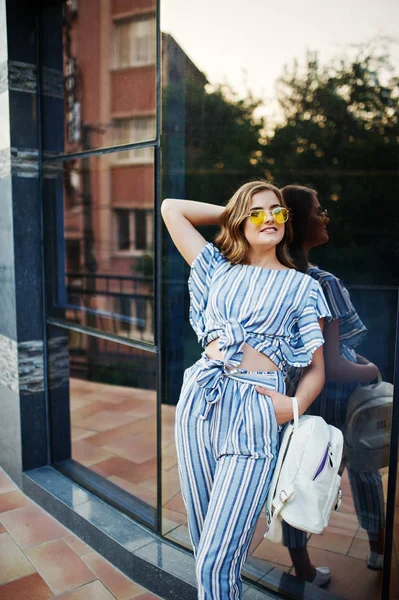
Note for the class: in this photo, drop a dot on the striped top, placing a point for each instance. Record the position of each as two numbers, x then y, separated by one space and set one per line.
274 311
351 329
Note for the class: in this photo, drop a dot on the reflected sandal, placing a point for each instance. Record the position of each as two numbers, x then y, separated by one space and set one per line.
322 577
375 561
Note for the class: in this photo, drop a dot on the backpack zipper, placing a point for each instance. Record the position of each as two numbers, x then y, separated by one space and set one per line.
326 455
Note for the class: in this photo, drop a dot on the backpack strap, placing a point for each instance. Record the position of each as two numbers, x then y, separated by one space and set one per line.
296 413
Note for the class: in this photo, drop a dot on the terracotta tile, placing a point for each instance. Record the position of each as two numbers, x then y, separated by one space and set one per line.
105 420
112 466
259 533
87 411
176 504
102 439
168 436
339 534
174 515
350 577
76 544
360 545
273 552
170 451
30 525
170 485
130 404
31 587
148 596
87 454
138 448
117 583
140 492
141 472
146 409
169 463
6 485
59 565
168 526
76 403
92 591
12 560
80 434
12 500
347 505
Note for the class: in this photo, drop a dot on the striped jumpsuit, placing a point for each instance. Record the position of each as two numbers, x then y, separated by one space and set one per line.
331 404
226 432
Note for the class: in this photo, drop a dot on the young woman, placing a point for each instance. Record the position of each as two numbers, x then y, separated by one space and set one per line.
344 368
255 316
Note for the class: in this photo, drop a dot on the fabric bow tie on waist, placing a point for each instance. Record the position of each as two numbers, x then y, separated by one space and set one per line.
210 378
231 342
213 372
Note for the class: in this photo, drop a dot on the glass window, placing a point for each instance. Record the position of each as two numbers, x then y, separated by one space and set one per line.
325 118
102 244
103 71
107 392
123 229
134 43
137 129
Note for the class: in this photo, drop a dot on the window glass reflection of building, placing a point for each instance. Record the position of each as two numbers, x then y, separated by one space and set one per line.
109 62
134 230
131 130
134 43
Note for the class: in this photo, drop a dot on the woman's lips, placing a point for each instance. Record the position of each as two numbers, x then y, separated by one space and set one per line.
269 230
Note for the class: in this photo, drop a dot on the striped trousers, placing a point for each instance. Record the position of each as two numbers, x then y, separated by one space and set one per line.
227 443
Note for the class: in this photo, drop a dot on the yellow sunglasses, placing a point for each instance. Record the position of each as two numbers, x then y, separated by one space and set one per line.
280 215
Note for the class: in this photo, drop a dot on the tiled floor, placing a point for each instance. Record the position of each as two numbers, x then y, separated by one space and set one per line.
114 434
40 559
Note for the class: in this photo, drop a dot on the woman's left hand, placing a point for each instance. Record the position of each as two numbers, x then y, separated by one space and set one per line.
282 404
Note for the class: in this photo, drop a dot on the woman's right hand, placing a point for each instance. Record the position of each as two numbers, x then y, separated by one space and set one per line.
371 371
182 217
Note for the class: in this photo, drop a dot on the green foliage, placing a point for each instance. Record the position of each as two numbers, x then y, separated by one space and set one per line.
340 135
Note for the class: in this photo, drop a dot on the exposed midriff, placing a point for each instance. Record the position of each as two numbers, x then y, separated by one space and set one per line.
252 360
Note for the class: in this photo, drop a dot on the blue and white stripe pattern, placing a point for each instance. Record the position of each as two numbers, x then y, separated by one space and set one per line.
226 440
331 404
274 311
226 432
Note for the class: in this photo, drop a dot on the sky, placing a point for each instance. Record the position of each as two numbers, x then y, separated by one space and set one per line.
247 43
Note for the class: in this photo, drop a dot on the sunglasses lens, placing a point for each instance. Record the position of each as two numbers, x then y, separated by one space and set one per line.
280 215
257 217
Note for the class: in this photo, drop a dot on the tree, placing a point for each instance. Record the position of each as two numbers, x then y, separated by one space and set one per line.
340 135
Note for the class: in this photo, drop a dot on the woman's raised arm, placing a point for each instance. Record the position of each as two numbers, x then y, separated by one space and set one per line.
181 218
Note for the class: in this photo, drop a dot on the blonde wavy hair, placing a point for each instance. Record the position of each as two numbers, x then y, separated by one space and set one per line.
231 239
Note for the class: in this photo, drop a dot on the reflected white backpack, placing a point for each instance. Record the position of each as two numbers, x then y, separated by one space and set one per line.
305 486
368 426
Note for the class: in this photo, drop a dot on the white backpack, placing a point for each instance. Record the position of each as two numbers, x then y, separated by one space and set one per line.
305 486
368 427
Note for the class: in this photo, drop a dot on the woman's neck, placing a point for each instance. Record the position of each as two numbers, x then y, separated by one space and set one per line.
265 260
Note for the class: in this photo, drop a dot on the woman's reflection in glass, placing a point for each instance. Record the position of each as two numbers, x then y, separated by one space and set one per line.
344 370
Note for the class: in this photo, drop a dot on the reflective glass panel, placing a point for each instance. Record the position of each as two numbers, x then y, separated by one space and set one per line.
101 241
107 392
394 588
297 95
104 89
